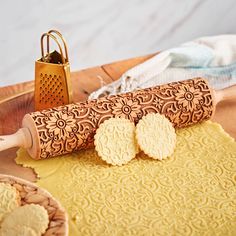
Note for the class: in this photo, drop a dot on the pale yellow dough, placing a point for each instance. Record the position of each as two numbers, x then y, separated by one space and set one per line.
191 193
9 199
115 141
156 136
25 219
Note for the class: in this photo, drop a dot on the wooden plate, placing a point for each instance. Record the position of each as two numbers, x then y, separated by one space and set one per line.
30 193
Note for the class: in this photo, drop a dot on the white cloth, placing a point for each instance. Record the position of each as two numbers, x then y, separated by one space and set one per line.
213 58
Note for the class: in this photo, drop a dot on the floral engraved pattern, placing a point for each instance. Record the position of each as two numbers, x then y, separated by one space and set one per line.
93 116
157 102
72 127
188 97
127 109
60 124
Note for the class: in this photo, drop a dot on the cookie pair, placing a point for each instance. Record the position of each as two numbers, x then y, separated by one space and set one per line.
117 140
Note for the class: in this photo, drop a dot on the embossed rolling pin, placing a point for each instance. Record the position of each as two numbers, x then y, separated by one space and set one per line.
72 127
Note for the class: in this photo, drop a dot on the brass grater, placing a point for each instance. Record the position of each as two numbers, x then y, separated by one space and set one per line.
52 75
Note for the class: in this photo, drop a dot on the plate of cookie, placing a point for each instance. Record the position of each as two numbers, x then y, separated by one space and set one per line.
26 209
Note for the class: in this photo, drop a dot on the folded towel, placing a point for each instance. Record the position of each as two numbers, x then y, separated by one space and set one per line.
213 58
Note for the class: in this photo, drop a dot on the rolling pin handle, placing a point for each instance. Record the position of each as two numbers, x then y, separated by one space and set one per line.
22 138
225 94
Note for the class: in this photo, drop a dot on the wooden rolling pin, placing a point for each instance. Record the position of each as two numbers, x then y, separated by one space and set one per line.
72 127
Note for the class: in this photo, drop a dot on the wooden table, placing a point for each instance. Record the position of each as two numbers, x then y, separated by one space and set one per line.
15 102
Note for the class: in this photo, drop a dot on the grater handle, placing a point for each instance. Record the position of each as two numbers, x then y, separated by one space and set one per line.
62 39
22 138
58 44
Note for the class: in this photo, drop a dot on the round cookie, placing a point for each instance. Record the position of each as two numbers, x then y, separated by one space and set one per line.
32 217
9 199
115 141
156 136
18 231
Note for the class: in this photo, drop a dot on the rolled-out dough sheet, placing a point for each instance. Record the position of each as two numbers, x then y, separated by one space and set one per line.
193 192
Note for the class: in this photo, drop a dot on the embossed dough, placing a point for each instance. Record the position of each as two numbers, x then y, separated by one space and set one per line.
190 193
115 141
32 217
9 199
156 136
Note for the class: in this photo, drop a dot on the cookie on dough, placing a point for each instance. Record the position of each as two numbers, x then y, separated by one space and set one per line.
29 218
115 141
156 136
9 199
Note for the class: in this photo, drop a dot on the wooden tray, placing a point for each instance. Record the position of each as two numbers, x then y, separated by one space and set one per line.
84 82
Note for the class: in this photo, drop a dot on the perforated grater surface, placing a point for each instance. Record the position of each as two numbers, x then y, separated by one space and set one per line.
52 76
51 90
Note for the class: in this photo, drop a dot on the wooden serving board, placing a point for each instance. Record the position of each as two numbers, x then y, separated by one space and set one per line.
16 101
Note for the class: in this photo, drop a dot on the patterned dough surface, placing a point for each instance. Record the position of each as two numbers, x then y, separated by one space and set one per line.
191 193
